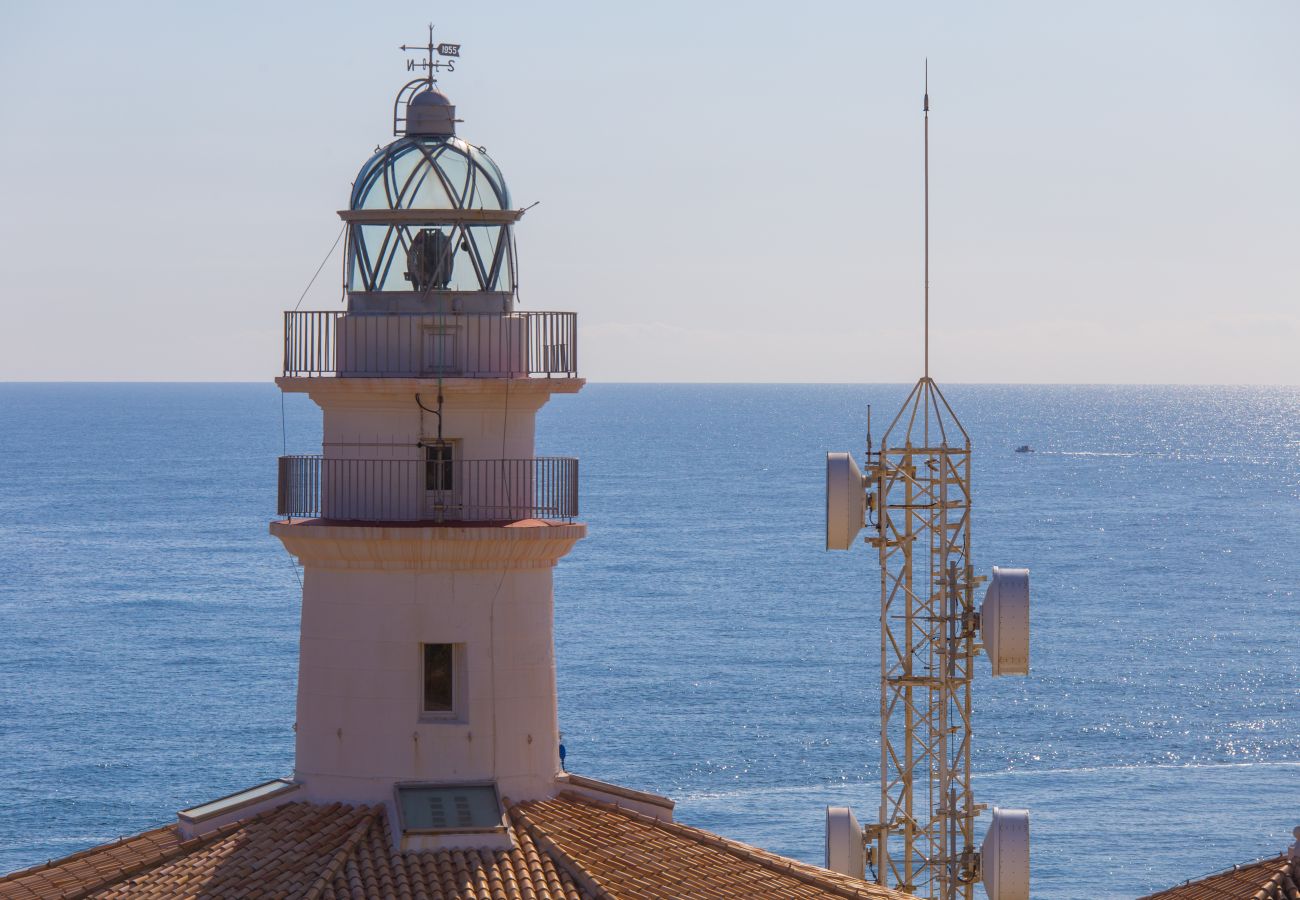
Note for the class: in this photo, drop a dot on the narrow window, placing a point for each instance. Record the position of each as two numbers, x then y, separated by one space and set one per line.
439 678
438 468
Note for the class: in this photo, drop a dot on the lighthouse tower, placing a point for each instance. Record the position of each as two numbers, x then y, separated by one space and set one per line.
427 528
428 760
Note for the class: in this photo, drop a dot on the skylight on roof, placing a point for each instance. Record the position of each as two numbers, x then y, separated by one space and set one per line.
448 807
239 799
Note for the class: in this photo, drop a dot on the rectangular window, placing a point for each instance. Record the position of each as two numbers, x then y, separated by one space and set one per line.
440 678
439 473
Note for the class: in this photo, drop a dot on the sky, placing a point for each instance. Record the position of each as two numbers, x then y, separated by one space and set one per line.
726 192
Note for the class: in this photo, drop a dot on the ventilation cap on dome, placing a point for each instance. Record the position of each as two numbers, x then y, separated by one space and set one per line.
430 112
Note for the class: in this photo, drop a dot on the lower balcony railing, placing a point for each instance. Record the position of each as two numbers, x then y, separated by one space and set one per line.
417 490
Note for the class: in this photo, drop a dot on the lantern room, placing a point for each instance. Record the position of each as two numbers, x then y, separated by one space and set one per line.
430 271
429 221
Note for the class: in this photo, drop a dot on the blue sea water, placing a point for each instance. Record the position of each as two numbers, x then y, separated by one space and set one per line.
709 648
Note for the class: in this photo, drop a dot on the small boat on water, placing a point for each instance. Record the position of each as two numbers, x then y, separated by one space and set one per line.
1024 448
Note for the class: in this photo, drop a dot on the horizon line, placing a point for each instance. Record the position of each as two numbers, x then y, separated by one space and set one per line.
271 383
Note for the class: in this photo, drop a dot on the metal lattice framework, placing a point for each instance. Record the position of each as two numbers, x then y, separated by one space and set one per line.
924 843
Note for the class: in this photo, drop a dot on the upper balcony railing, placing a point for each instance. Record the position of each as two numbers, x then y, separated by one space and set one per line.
432 490
428 345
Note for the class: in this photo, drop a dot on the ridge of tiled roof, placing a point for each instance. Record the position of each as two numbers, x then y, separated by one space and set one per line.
620 853
343 853
1275 878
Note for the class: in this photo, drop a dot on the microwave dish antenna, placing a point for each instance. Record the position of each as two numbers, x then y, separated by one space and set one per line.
1005 855
846 850
1004 621
846 503
913 495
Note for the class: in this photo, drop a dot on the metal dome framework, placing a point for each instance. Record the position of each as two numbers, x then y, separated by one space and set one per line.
422 191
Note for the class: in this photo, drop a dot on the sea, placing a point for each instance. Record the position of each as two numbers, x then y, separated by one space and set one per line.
709 647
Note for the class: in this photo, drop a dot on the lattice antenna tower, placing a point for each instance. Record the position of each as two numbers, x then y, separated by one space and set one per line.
918 484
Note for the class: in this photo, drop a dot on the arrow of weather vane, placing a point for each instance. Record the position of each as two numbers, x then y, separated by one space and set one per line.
431 64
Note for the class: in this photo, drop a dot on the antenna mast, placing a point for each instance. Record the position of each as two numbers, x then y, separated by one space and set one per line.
924 842
925 107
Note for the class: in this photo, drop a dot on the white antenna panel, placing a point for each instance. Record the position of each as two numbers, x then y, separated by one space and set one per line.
1004 855
845 851
1004 621
846 501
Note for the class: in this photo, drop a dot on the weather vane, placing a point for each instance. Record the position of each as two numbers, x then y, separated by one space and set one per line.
432 65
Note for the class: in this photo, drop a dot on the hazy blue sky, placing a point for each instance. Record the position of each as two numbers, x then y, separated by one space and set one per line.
729 192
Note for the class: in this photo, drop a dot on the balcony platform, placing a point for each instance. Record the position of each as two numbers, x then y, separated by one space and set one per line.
359 386
463 546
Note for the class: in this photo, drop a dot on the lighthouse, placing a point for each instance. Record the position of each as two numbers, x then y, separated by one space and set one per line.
427 527
427 753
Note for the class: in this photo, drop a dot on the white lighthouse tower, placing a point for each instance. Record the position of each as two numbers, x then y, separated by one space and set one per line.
428 761
427 528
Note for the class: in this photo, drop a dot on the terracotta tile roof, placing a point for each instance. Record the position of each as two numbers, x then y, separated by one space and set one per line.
623 854
568 848
1269 879
373 869
288 852
81 873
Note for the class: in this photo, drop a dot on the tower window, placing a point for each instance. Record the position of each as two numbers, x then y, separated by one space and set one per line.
443 679
438 469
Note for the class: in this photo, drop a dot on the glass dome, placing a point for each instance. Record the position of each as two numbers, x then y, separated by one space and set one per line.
427 172
444 175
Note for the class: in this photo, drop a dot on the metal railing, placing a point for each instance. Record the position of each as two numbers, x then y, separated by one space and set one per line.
418 490
412 345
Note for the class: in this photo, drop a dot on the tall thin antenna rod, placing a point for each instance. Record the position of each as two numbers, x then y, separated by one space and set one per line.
925 107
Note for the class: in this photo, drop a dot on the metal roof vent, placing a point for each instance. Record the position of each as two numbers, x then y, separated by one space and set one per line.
431 113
